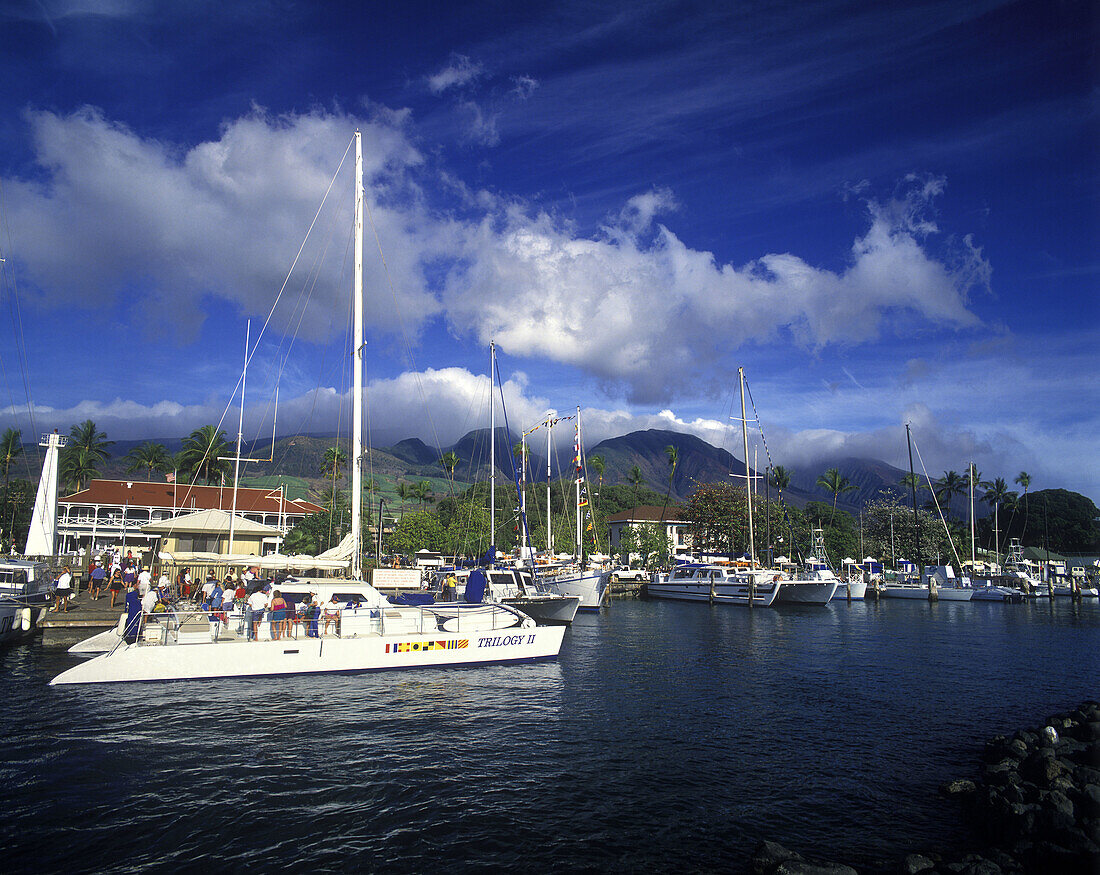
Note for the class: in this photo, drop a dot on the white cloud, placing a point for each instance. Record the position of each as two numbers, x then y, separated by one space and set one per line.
118 214
523 87
459 71
654 316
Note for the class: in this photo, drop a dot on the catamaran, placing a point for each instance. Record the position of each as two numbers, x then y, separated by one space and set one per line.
367 633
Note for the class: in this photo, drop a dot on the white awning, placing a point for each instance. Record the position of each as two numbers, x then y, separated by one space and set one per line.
272 562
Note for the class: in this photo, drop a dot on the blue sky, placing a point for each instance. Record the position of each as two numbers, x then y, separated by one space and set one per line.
885 212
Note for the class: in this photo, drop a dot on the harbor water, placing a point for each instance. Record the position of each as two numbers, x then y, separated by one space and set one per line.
667 736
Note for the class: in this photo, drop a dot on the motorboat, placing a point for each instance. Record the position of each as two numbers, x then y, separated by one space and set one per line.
589 586
25 588
513 586
722 584
938 582
816 584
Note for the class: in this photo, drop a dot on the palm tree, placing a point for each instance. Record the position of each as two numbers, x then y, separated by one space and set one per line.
1024 479
77 467
912 481
635 479
832 481
781 477
11 447
202 456
997 494
404 493
673 454
952 483
449 461
88 436
150 455
334 461
422 491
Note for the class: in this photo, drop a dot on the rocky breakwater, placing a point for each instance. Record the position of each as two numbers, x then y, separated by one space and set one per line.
1037 803
1035 809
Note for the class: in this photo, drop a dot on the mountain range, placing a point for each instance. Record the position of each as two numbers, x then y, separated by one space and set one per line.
699 462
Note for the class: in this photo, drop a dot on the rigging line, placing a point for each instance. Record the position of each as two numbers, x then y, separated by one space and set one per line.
271 312
937 503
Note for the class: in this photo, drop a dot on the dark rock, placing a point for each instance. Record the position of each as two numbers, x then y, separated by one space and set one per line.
1041 768
1017 749
1089 800
1021 819
1090 731
767 857
995 749
958 787
915 863
805 867
976 865
1013 793
1001 774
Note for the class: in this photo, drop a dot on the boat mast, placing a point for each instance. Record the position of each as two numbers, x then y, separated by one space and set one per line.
549 533
748 481
579 478
240 436
357 371
973 557
913 488
492 445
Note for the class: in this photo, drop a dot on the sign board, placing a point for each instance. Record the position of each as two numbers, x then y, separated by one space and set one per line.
395 578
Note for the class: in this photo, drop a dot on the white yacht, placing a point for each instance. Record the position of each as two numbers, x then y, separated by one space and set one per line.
723 584
368 632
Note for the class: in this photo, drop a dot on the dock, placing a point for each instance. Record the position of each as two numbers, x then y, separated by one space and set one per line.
84 617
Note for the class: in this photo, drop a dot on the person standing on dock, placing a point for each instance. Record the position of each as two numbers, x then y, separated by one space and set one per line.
64 589
98 577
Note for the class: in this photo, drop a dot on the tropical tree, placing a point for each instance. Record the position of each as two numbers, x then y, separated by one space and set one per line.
334 461
832 481
635 479
88 436
422 491
203 456
997 495
151 456
77 467
673 454
419 530
11 447
404 493
781 477
449 461
913 481
952 483
1024 480
599 465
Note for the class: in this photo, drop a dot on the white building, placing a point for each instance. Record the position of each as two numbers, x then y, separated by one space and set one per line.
675 529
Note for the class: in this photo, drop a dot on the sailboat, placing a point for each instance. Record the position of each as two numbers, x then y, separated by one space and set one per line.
370 633
724 584
586 583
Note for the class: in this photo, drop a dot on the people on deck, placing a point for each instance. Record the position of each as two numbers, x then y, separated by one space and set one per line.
278 615
254 612
331 614
133 614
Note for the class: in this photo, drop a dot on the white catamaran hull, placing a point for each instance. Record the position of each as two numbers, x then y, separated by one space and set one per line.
152 662
857 588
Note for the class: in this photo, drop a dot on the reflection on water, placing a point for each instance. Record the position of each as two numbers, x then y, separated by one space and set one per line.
666 736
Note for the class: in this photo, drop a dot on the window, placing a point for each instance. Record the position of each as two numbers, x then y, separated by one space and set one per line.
197 543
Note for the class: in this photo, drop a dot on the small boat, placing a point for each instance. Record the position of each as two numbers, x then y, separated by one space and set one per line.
815 584
722 584
512 586
25 588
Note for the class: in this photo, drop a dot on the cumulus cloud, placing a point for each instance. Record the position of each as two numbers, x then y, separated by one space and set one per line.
119 214
644 312
460 71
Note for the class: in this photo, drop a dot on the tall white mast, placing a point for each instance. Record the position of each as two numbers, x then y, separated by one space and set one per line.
970 473
748 490
580 476
240 437
492 445
549 535
357 372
